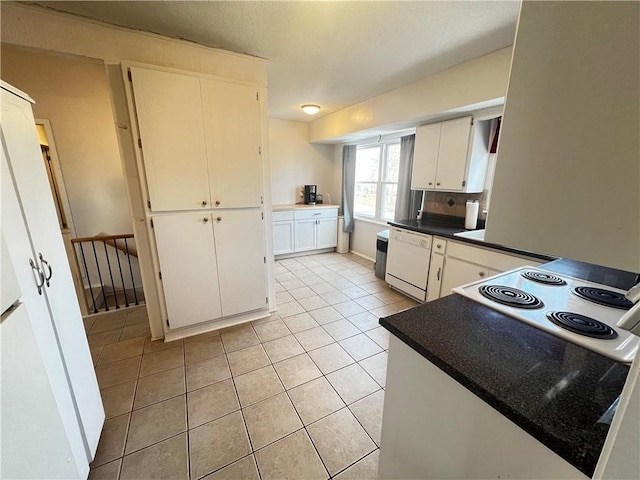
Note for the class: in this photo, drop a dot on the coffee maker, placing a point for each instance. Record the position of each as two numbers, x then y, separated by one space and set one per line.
310 194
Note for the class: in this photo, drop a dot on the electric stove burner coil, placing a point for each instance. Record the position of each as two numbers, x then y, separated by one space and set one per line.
511 297
582 325
544 278
604 297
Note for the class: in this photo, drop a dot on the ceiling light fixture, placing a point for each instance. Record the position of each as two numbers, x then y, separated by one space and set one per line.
310 109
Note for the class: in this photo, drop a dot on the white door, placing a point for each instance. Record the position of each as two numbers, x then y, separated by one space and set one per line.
27 390
33 437
327 233
435 277
305 234
452 157
29 176
282 237
187 256
458 272
241 260
232 125
425 156
169 111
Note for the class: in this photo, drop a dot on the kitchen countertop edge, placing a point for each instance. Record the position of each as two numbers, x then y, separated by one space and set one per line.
448 231
300 206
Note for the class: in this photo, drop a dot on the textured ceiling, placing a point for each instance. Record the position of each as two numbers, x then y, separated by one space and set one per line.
331 53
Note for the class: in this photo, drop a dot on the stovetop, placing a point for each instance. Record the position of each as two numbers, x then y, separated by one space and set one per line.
557 304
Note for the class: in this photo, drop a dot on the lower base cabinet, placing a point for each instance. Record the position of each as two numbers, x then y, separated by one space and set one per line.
464 264
304 230
212 265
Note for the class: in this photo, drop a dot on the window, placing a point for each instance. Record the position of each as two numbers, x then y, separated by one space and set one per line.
377 180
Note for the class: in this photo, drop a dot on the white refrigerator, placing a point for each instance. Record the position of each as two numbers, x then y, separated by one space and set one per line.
51 413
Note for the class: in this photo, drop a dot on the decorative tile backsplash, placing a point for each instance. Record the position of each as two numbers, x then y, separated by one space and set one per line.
449 203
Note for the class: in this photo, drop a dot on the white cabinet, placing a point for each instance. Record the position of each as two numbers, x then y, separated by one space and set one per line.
169 111
239 237
188 265
201 156
283 233
305 234
233 135
436 268
465 263
451 156
212 265
459 272
327 232
50 397
200 140
304 230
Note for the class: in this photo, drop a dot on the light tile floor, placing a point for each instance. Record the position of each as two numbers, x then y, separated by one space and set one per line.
297 395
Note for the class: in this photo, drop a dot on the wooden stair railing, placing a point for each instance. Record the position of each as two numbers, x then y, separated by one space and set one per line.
119 244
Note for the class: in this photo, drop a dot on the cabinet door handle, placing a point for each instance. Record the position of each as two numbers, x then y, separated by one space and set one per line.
217 203
438 274
430 183
37 275
45 263
205 219
219 219
317 213
204 203
481 274
438 183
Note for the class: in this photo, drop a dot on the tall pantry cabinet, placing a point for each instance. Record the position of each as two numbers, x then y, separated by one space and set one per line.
201 156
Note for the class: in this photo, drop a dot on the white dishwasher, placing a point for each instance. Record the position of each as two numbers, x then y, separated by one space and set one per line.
408 259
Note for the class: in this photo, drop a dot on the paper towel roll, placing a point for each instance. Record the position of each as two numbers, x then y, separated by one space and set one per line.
471 218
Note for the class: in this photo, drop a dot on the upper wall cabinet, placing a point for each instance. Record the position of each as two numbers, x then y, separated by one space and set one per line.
214 148
451 156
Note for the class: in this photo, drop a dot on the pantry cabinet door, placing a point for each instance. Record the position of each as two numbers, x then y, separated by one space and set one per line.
169 111
187 256
425 157
233 131
453 154
239 237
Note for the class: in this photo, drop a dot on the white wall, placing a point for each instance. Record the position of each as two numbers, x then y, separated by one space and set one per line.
567 179
295 162
73 94
481 82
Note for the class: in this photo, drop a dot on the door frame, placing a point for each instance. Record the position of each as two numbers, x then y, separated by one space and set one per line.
55 159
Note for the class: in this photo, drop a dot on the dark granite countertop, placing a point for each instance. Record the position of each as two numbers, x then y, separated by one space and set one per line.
553 389
446 226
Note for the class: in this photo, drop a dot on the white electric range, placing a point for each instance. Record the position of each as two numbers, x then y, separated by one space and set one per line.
576 310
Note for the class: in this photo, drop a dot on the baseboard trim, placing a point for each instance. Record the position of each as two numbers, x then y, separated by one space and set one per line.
213 325
362 255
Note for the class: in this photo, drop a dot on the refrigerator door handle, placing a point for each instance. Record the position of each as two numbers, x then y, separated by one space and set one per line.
45 263
37 275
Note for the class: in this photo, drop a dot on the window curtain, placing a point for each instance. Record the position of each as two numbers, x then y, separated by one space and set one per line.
408 202
348 184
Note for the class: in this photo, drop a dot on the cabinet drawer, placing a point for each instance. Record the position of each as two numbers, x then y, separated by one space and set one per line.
315 213
439 245
282 216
